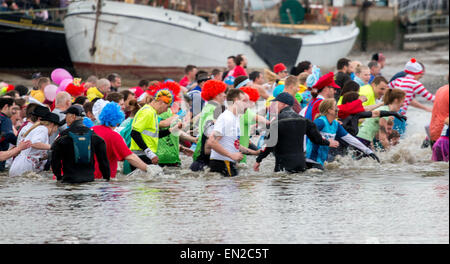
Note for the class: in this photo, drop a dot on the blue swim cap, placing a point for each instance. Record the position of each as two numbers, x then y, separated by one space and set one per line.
111 115
279 89
229 80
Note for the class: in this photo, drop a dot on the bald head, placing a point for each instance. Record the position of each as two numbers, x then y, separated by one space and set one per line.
63 100
104 85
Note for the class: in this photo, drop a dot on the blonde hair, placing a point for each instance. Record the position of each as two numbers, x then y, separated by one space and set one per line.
303 77
42 81
39 123
270 76
361 68
326 105
290 81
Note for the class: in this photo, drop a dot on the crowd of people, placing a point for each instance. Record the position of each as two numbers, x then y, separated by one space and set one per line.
303 117
35 9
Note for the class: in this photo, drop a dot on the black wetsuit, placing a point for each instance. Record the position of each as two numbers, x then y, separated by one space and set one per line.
286 139
63 157
137 137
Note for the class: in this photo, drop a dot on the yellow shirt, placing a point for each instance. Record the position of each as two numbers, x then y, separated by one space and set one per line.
93 93
302 89
368 92
146 123
38 95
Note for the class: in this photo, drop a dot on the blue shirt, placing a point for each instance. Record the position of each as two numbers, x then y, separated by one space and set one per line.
398 75
359 81
6 136
306 98
6 133
328 131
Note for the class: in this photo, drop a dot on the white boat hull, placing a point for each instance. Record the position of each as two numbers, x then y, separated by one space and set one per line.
327 48
143 41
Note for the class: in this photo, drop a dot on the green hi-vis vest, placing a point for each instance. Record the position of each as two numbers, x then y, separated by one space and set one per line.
245 122
206 115
168 147
146 123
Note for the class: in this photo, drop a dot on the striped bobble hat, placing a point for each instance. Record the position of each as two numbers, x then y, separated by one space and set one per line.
413 67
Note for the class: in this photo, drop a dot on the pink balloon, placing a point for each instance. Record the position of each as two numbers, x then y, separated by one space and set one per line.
63 85
50 92
58 75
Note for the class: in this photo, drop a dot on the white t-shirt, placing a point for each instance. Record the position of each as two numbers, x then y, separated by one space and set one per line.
23 131
31 159
227 125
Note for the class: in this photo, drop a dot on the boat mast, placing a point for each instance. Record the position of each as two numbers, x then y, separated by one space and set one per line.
249 18
239 6
97 16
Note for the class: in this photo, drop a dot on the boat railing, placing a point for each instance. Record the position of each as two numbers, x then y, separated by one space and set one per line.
47 15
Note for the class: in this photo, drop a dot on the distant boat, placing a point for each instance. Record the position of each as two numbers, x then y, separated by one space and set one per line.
143 41
30 42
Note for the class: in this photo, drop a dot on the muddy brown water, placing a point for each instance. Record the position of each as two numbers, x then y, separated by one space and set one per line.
405 199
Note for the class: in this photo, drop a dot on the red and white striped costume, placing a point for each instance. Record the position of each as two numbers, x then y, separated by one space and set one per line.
412 88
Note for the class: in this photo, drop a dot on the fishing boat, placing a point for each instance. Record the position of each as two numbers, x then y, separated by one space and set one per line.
153 42
30 41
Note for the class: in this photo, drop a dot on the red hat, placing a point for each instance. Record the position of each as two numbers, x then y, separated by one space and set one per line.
252 93
413 67
279 67
212 88
326 80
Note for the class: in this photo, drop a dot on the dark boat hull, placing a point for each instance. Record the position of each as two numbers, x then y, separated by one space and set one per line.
26 43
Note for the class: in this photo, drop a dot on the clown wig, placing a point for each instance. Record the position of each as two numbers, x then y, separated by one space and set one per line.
167 92
252 93
75 90
212 88
111 115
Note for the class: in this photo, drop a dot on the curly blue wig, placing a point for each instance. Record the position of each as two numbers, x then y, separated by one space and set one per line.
111 115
